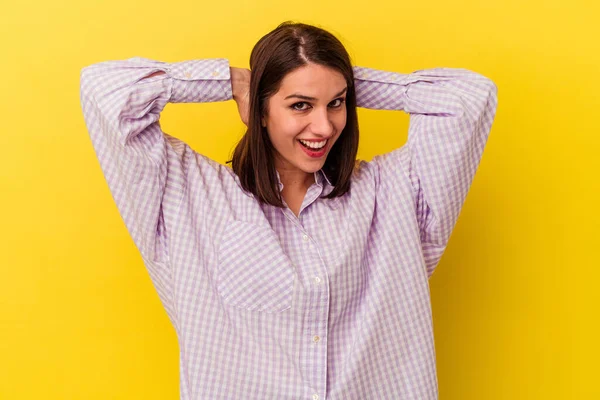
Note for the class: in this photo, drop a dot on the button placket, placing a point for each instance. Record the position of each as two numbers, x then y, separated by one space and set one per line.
315 339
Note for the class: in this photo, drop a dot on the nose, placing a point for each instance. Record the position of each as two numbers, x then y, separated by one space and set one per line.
321 123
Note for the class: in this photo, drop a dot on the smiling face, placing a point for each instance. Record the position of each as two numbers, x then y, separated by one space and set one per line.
310 106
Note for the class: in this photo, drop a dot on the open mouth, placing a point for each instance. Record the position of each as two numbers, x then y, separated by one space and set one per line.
314 152
314 146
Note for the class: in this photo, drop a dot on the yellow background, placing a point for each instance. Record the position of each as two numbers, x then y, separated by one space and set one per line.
515 297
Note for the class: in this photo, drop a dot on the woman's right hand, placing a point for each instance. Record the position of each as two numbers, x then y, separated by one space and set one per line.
240 85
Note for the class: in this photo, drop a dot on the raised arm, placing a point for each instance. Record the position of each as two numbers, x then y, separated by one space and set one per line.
451 114
121 102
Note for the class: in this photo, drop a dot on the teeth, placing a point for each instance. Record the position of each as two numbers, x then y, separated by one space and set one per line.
314 145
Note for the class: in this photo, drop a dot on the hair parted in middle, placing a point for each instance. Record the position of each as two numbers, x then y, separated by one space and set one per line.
289 46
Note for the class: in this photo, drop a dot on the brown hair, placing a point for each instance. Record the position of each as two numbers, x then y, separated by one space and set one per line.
290 46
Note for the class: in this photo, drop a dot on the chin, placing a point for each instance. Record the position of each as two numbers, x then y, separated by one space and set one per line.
312 167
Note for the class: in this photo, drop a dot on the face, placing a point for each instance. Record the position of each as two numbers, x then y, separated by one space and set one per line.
309 106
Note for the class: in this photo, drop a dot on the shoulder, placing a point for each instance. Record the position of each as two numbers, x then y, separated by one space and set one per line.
364 175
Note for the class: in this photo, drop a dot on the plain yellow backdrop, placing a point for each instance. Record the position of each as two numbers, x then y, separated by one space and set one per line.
515 297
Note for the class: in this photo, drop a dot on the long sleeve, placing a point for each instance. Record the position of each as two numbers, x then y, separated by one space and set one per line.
142 165
451 114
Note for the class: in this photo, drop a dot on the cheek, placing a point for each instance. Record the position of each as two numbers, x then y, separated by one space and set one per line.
288 127
340 122
280 121
283 132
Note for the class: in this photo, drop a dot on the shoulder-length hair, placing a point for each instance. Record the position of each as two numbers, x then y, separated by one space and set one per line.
290 46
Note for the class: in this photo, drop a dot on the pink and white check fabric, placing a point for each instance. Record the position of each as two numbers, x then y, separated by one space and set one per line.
333 304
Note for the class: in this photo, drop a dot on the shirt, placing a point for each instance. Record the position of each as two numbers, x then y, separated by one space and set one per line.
332 304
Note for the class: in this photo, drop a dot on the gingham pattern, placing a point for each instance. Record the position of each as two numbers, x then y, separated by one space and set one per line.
331 305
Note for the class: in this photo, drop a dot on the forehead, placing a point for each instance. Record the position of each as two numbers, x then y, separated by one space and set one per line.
312 80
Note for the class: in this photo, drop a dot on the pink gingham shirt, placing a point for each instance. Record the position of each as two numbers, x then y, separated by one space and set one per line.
333 304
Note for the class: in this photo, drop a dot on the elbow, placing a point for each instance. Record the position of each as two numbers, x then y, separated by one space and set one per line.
86 83
481 82
91 77
492 87
489 85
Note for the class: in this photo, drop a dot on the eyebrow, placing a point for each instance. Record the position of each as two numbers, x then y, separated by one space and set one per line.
303 97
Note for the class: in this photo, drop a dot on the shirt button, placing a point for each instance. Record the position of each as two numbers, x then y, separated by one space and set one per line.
305 238
316 338
215 73
317 280
315 396
188 75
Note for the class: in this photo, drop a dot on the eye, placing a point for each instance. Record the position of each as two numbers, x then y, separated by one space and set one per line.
297 106
341 102
293 106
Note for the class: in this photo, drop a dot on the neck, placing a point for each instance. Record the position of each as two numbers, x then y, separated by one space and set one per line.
296 179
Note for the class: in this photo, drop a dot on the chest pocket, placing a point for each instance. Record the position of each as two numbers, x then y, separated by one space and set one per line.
253 272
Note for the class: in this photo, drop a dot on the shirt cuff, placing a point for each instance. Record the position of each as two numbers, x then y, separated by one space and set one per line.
204 80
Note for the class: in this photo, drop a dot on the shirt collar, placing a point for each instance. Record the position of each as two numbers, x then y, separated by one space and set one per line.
320 179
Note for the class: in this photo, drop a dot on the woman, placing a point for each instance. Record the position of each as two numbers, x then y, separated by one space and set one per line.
300 272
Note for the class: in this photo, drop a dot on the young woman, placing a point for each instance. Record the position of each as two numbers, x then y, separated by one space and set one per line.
299 272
